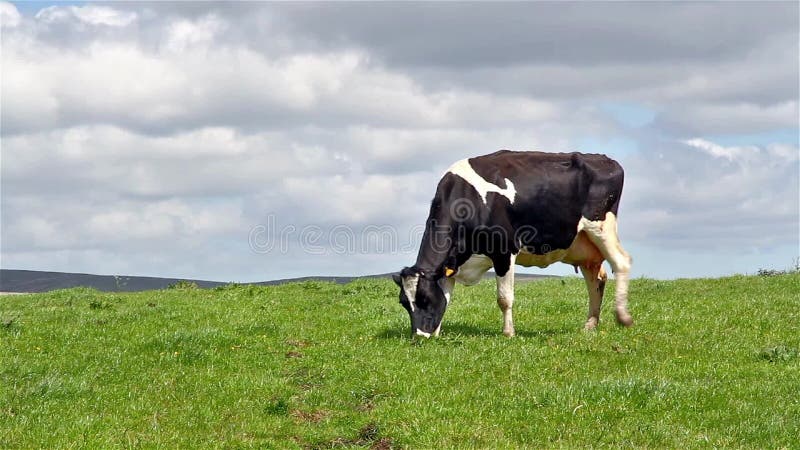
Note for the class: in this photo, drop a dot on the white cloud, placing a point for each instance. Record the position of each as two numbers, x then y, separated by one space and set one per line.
775 153
204 161
9 16
366 199
189 80
183 34
64 223
717 118
731 153
720 198
93 15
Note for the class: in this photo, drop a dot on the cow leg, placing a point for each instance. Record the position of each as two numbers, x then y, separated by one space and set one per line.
447 284
595 278
505 298
603 233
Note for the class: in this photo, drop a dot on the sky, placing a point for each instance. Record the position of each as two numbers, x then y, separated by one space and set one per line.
252 141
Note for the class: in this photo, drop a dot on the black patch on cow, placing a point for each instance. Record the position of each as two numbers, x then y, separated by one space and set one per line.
553 191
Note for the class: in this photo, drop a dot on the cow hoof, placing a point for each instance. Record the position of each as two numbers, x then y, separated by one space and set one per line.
591 324
508 333
625 320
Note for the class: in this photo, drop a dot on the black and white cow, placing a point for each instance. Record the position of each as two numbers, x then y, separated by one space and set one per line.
525 208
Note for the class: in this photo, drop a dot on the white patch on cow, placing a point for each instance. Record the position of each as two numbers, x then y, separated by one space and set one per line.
505 285
423 334
410 288
603 234
447 284
464 170
505 297
472 270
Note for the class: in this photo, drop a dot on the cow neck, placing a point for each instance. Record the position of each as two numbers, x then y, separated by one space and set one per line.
437 242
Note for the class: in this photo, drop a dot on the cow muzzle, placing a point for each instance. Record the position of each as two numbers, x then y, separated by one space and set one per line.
420 334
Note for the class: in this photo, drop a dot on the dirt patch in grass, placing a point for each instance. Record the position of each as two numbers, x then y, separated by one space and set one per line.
382 444
310 416
296 346
305 379
297 343
368 435
365 407
368 399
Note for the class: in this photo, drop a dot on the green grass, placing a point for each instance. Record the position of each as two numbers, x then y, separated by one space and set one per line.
709 363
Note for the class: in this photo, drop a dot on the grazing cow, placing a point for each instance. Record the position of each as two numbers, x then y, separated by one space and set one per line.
525 208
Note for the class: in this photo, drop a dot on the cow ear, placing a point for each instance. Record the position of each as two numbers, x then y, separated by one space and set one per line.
397 279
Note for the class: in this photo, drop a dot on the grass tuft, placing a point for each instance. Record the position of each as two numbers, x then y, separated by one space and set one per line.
278 407
779 354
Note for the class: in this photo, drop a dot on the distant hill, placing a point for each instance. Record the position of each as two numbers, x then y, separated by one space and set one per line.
38 281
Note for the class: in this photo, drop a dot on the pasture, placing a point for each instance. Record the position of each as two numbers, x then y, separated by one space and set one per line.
709 363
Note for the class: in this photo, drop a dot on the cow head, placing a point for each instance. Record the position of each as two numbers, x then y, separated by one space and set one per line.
422 296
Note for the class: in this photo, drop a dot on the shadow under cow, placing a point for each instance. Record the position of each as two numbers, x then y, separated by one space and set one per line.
456 328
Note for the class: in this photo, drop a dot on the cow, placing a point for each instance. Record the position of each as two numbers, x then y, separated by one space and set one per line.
518 208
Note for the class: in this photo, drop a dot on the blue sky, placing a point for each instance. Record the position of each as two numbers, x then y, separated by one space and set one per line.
30 8
154 138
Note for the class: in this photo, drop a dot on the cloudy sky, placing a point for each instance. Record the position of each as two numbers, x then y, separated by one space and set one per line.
254 141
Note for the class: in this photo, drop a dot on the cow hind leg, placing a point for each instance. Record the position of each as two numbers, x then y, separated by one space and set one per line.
505 298
595 278
603 233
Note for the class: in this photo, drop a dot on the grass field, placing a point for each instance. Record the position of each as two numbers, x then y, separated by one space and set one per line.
709 363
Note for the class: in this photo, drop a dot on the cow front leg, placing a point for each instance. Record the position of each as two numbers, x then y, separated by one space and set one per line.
595 277
505 298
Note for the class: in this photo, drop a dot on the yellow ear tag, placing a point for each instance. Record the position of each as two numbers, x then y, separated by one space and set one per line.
448 271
